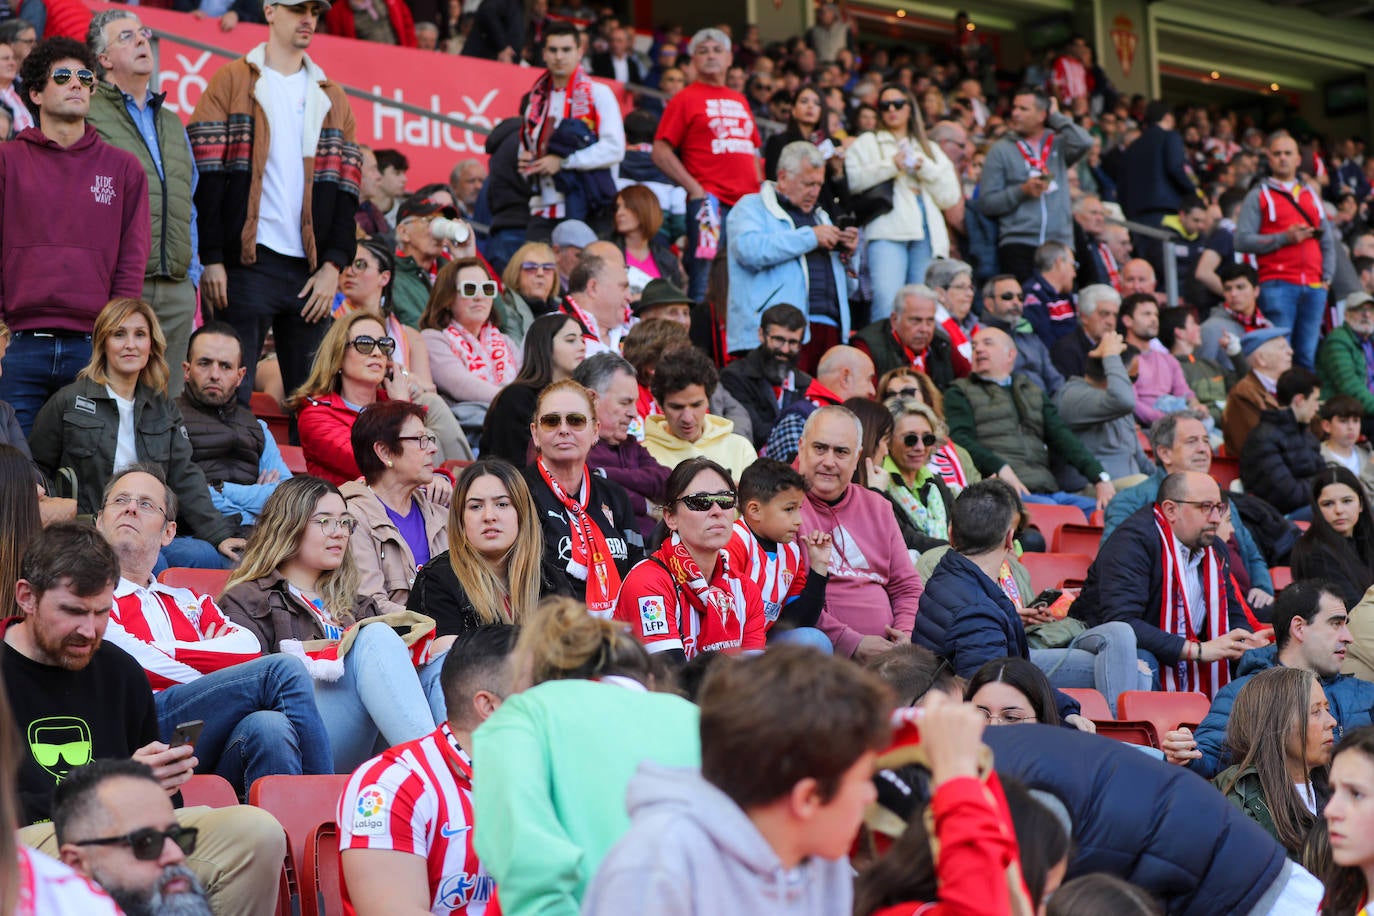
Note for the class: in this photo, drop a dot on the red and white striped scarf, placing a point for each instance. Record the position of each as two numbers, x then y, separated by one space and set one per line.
1175 616
487 355
946 461
590 556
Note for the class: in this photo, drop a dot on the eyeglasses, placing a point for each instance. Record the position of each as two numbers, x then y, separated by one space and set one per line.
702 502
530 267
778 342
146 844
551 421
961 287
331 524
63 75
926 439
1207 507
1010 297
471 289
146 506
1004 720
892 105
425 441
361 265
904 393
365 344
128 35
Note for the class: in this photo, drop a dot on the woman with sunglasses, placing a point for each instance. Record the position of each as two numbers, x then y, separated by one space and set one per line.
684 599
915 488
638 217
554 348
902 242
953 463
299 582
589 527
1339 544
469 357
532 289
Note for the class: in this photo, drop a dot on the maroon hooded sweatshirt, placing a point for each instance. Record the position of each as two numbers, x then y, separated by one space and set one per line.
74 230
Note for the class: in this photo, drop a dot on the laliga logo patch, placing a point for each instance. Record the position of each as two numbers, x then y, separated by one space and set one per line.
653 616
367 819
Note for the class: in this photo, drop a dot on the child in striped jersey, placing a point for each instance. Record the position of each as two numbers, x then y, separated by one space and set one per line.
765 547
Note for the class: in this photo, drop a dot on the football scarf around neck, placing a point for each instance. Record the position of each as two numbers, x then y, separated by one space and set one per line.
1175 615
577 103
591 558
714 598
487 354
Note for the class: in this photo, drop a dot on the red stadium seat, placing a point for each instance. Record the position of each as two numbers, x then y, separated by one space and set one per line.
201 581
300 803
1141 733
1282 576
1093 703
294 456
1166 711
265 407
1078 538
1224 471
209 790
1052 570
1049 518
325 881
1098 517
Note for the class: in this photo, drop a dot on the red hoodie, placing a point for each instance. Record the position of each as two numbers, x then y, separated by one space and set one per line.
74 230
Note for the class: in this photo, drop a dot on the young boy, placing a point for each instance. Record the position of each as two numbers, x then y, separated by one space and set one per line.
765 547
1340 420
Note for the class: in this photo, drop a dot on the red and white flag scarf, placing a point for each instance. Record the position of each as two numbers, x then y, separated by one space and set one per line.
487 354
578 102
591 558
1175 616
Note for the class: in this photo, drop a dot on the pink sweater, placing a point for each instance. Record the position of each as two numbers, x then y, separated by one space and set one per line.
873 583
1160 374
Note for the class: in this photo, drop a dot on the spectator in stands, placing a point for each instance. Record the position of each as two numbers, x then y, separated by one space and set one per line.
684 380
598 296
686 599
1013 691
118 413
766 380
707 142
569 238
507 194
1281 457
274 260
1025 185
531 288
550 804
1154 178
1311 634
1137 276
1346 824
21 32
1003 310
419 256
1340 418
1280 733
638 218
1344 357
914 485
78 699
809 123
1009 427
128 114
619 62
904 240
775 795
873 590
1269 356
391 187
1161 572
1096 261
1238 315
298 582
661 300
554 348
589 527
784 249
259 710
370 218
955 291
1099 407
618 455
843 373
49 173
498 31
1160 387
1188 228
1098 308
1284 224
402 528
1182 335
233 449
466 181
1339 545
1049 299
587 146
910 337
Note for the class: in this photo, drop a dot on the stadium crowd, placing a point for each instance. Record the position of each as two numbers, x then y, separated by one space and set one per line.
674 494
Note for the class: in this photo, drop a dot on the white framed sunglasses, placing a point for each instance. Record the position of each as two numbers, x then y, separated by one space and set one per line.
471 289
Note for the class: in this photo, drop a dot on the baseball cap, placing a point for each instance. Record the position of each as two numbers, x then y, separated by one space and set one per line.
573 233
1251 342
267 3
423 206
1359 300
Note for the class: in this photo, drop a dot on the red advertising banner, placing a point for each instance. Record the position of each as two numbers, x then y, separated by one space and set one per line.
478 91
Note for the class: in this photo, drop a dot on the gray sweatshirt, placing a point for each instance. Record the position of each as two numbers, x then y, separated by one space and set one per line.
1023 220
691 850
1104 419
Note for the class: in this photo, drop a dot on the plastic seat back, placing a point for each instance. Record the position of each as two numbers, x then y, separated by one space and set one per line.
1047 518
209 790
1078 538
201 581
1092 703
1164 709
1051 570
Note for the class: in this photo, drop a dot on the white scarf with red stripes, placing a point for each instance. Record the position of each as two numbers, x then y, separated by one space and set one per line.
1175 614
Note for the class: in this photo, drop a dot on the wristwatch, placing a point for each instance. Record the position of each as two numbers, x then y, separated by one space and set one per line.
1104 477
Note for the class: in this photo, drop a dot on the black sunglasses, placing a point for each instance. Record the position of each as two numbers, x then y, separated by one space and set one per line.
147 843
892 105
365 345
63 75
926 439
1009 297
702 502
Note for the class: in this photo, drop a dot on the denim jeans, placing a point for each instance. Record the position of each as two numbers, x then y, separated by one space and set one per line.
378 695
699 271
803 636
189 552
1087 503
37 364
434 691
892 265
1103 657
260 720
1300 308
262 296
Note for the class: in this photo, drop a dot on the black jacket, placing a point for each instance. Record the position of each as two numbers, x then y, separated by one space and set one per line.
602 67
1314 559
506 430
508 193
1070 353
609 508
1152 177
744 379
878 341
437 593
1279 460
497 25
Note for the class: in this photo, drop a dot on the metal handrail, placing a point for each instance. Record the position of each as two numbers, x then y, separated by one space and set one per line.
1170 259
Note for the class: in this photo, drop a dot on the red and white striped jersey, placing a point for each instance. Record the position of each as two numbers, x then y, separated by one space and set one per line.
780 576
417 798
163 628
49 888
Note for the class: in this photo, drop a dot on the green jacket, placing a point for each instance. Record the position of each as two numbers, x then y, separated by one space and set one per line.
1342 369
410 285
1248 796
1017 425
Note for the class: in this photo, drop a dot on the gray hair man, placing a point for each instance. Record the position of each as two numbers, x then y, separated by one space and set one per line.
1098 305
910 337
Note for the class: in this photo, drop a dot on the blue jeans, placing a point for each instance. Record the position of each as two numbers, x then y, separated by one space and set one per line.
260 720
699 271
1087 503
1103 658
892 265
379 695
37 364
434 691
803 636
192 553
1288 305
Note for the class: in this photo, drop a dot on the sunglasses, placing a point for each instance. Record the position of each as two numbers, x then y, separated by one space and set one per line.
365 345
702 502
926 439
63 75
471 289
530 267
551 421
904 393
147 843
1010 297
892 105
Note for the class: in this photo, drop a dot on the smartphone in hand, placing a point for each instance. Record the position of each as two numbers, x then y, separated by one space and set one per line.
187 733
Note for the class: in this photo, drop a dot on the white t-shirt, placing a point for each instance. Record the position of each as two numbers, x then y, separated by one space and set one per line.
49 888
283 181
126 451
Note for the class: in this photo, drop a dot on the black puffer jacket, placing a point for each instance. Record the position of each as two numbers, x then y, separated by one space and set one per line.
1279 460
508 193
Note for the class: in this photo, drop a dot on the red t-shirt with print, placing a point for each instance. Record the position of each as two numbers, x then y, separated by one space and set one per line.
715 136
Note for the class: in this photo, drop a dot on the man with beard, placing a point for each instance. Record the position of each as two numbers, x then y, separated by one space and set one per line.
76 699
116 827
766 380
235 449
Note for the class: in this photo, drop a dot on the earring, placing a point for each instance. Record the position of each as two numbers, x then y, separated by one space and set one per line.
388 464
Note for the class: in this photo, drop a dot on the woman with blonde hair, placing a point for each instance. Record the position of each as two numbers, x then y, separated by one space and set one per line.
298 582
953 463
913 485
117 413
557 757
494 570
531 289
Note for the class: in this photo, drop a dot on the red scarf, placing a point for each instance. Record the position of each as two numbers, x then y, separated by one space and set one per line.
1253 323
1041 162
591 556
590 329
487 355
946 461
914 360
577 103
715 610
1175 617
1104 251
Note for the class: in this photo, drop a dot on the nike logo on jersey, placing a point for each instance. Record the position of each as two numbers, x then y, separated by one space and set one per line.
449 834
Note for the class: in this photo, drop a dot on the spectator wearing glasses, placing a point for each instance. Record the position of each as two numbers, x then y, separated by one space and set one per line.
70 198
402 528
532 288
766 380
955 291
554 348
1003 307
420 256
911 336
